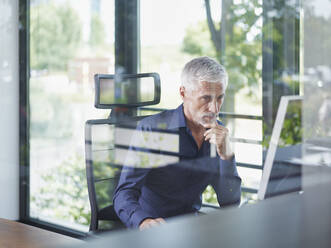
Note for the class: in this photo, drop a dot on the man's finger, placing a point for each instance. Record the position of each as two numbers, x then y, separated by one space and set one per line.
148 223
154 222
220 134
210 125
160 220
214 131
208 136
212 140
210 131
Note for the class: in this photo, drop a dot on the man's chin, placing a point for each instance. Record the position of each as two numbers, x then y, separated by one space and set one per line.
207 120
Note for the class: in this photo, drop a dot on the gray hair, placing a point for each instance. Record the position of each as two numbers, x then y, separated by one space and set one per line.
203 69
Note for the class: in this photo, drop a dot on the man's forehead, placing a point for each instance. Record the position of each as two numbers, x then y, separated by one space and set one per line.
211 86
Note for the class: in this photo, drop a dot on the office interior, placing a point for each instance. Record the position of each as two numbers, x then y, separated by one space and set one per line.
277 55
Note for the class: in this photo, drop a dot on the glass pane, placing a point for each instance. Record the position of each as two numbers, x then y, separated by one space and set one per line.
269 49
317 98
70 41
233 37
165 50
283 166
127 90
9 105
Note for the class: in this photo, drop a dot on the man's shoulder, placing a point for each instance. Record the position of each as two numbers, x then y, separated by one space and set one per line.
160 120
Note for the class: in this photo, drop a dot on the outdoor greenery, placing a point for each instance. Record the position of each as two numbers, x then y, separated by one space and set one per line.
51 115
97 36
55 33
235 41
291 134
68 183
209 196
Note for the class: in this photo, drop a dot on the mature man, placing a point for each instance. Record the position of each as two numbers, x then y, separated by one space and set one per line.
146 197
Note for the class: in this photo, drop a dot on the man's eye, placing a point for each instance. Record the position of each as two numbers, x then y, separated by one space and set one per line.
220 97
206 98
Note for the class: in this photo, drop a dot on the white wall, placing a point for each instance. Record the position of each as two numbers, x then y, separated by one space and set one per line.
9 99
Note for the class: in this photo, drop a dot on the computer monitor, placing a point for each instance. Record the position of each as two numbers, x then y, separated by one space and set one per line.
280 174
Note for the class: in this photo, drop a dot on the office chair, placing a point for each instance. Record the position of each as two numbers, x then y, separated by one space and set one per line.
122 94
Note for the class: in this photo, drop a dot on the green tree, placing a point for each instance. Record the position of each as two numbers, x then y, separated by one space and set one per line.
55 33
235 41
63 192
197 40
97 35
51 114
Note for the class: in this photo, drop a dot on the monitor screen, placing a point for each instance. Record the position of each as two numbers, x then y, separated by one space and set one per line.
283 162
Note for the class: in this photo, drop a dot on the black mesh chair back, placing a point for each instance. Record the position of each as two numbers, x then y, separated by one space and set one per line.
104 157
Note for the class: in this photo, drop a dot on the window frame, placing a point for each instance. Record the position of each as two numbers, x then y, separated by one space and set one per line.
24 127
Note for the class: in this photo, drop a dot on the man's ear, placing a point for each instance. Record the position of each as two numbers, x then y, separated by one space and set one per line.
182 91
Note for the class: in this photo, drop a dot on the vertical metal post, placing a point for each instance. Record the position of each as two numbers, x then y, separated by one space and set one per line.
24 148
267 64
127 48
127 41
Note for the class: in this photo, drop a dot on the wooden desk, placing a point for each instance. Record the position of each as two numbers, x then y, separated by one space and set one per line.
15 234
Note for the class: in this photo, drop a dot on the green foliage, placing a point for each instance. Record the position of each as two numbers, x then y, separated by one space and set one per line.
209 196
248 198
55 33
63 192
291 133
51 115
107 177
243 48
97 36
197 41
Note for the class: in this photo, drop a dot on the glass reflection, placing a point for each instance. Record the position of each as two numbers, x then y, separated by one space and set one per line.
153 187
282 168
259 55
159 166
317 81
68 45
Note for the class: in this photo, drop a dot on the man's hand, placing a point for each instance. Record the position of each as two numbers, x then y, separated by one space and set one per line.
147 223
219 135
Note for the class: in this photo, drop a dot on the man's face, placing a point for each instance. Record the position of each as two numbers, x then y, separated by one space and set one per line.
202 104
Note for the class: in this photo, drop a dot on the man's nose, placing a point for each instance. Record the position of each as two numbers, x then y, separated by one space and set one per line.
213 107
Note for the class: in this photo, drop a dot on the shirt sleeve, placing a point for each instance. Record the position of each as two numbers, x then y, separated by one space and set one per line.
227 183
126 197
132 179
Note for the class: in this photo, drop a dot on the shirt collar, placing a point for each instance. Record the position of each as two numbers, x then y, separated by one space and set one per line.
178 119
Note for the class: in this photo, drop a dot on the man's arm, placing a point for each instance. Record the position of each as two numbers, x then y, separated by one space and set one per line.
131 182
126 197
132 179
227 184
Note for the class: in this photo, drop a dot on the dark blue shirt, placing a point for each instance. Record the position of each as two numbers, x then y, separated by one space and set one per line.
177 188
